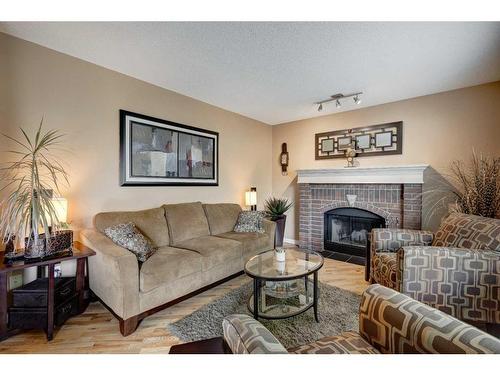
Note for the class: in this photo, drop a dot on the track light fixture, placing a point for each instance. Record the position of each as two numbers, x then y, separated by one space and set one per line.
337 98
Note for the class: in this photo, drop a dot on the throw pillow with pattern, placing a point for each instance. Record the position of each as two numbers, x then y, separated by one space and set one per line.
129 237
250 222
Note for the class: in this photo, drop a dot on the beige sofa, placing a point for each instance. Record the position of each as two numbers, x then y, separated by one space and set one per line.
197 249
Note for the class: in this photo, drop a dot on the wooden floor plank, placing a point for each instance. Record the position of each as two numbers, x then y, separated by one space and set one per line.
96 330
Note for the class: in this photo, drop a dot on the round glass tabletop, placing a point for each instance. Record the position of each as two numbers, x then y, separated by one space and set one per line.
297 263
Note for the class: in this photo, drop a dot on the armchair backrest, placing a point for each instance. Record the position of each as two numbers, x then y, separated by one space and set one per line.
464 283
469 232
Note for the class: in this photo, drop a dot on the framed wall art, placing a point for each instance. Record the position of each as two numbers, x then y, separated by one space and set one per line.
383 139
363 142
374 140
343 143
162 153
327 145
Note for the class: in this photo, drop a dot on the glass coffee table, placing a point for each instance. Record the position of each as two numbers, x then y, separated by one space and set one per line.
282 289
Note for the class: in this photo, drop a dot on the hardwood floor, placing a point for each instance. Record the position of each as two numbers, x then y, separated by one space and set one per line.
96 330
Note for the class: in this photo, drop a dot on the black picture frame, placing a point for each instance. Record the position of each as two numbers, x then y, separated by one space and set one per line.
130 177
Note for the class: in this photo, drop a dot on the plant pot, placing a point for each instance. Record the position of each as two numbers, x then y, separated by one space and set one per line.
280 230
57 242
34 248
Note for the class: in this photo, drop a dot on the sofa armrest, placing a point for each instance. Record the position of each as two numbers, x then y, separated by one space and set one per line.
464 283
270 230
245 335
113 274
394 323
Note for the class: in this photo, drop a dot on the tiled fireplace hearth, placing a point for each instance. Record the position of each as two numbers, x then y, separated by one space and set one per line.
391 193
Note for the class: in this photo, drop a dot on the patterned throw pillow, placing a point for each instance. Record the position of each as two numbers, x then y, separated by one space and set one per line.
250 221
129 237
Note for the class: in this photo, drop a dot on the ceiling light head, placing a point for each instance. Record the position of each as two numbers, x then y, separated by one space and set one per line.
338 104
357 100
320 107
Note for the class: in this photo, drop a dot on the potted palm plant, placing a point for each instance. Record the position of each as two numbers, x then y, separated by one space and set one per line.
29 182
275 209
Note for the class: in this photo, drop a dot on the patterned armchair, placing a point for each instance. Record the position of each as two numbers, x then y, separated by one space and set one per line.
389 322
457 270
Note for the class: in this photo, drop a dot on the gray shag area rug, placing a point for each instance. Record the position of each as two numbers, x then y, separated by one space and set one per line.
338 312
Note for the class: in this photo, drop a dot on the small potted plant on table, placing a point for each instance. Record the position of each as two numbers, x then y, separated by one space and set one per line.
275 209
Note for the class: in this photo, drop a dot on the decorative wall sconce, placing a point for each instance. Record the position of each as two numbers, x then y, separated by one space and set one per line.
251 198
284 159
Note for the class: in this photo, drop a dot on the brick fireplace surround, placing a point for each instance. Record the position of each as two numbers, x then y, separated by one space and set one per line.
395 193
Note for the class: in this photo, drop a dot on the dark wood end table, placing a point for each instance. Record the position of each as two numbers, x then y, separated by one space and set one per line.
80 254
215 345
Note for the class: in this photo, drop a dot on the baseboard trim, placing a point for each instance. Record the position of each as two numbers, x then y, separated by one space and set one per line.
291 241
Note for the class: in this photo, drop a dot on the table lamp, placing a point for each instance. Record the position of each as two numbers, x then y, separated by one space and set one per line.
251 198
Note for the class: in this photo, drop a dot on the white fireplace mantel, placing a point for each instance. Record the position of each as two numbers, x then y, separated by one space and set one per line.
401 174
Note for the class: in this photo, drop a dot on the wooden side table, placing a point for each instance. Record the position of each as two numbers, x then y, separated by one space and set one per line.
215 345
80 254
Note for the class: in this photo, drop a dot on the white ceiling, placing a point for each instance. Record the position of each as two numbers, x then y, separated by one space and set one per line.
273 72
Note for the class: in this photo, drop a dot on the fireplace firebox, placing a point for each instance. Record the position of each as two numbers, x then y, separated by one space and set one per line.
347 229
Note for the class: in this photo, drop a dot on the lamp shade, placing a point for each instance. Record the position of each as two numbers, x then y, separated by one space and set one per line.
251 198
61 209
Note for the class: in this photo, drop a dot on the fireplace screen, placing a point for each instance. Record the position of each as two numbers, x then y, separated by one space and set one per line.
347 229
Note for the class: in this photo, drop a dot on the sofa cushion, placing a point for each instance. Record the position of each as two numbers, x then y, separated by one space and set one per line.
129 237
214 250
151 223
167 265
186 221
253 243
221 217
345 343
469 232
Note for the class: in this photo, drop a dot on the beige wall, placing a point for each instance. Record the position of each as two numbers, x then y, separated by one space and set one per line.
437 129
83 100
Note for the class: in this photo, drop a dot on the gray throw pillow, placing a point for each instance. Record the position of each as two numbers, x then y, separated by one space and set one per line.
129 237
250 222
